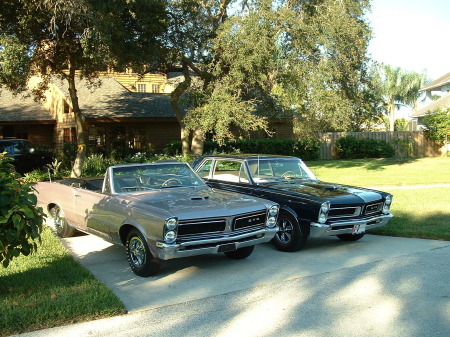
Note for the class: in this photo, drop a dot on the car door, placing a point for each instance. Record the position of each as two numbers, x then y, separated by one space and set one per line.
230 175
91 210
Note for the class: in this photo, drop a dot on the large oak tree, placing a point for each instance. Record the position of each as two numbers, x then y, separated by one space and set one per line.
259 59
71 38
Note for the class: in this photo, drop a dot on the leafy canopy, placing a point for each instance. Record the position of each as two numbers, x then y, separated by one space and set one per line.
297 59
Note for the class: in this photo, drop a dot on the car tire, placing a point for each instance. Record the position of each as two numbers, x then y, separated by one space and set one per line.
350 237
141 260
240 253
63 229
289 238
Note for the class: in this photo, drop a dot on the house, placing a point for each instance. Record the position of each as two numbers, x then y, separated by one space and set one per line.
114 116
439 87
120 110
21 116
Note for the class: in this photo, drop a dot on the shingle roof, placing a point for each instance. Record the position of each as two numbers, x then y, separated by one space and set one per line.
21 108
441 103
112 100
436 84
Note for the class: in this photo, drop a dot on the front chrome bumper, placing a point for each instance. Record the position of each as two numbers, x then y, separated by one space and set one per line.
348 227
217 245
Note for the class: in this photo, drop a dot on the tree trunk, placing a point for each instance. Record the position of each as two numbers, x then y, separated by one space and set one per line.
198 142
391 112
174 101
81 139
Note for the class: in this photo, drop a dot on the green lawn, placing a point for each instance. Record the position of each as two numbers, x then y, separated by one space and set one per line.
49 289
383 172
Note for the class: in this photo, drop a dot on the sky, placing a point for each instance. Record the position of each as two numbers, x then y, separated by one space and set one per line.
412 34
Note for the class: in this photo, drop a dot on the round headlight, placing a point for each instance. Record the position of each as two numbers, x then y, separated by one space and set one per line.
273 210
388 200
171 224
325 207
170 237
322 218
271 222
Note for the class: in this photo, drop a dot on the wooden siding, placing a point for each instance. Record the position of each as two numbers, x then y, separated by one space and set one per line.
131 80
422 146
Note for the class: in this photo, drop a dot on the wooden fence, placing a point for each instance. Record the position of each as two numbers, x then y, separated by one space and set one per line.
421 145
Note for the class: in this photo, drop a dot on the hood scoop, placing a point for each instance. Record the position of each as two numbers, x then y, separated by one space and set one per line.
199 198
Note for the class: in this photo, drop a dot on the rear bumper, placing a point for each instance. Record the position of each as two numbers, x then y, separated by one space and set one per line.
217 245
348 227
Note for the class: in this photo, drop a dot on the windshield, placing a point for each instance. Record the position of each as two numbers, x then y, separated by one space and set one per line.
153 176
263 170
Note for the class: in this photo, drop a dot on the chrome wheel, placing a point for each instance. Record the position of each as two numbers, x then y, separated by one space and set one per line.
289 237
141 260
63 229
286 231
137 252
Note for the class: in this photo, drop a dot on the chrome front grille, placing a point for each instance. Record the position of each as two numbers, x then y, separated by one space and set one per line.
249 220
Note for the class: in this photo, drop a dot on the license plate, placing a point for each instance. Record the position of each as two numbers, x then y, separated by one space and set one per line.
229 247
359 229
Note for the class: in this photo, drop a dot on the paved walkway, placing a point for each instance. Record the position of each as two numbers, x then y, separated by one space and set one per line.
378 286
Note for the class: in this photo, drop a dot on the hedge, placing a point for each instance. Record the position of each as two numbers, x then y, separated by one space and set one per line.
307 149
350 147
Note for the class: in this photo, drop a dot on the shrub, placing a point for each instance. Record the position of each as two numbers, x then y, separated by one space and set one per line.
20 220
350 147
437 125
95 165
307 149
69 154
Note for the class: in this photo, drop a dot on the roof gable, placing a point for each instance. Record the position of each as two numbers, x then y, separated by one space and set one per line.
439 104
436 84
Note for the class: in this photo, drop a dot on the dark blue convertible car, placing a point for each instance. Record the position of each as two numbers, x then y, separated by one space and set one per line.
309 207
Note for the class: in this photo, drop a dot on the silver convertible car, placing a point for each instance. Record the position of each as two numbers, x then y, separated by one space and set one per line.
158 211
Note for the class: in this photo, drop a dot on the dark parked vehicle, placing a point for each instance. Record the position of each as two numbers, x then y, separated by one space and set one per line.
309 207
26 158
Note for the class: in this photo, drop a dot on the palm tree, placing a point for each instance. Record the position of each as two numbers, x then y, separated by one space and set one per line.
400 88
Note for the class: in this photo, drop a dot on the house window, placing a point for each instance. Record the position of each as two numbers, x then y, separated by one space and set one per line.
66 136
66 107
97 137
137 137
117 136
142 87
155 88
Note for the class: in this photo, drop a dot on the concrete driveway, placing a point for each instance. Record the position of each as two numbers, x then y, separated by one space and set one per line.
378 286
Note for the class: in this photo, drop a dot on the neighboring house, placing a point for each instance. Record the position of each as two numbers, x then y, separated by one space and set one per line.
439 87
23 117
121 110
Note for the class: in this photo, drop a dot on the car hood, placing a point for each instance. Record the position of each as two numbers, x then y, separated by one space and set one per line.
197 202
334 193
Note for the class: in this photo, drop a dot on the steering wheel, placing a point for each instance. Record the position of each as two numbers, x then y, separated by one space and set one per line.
172 182
287 174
